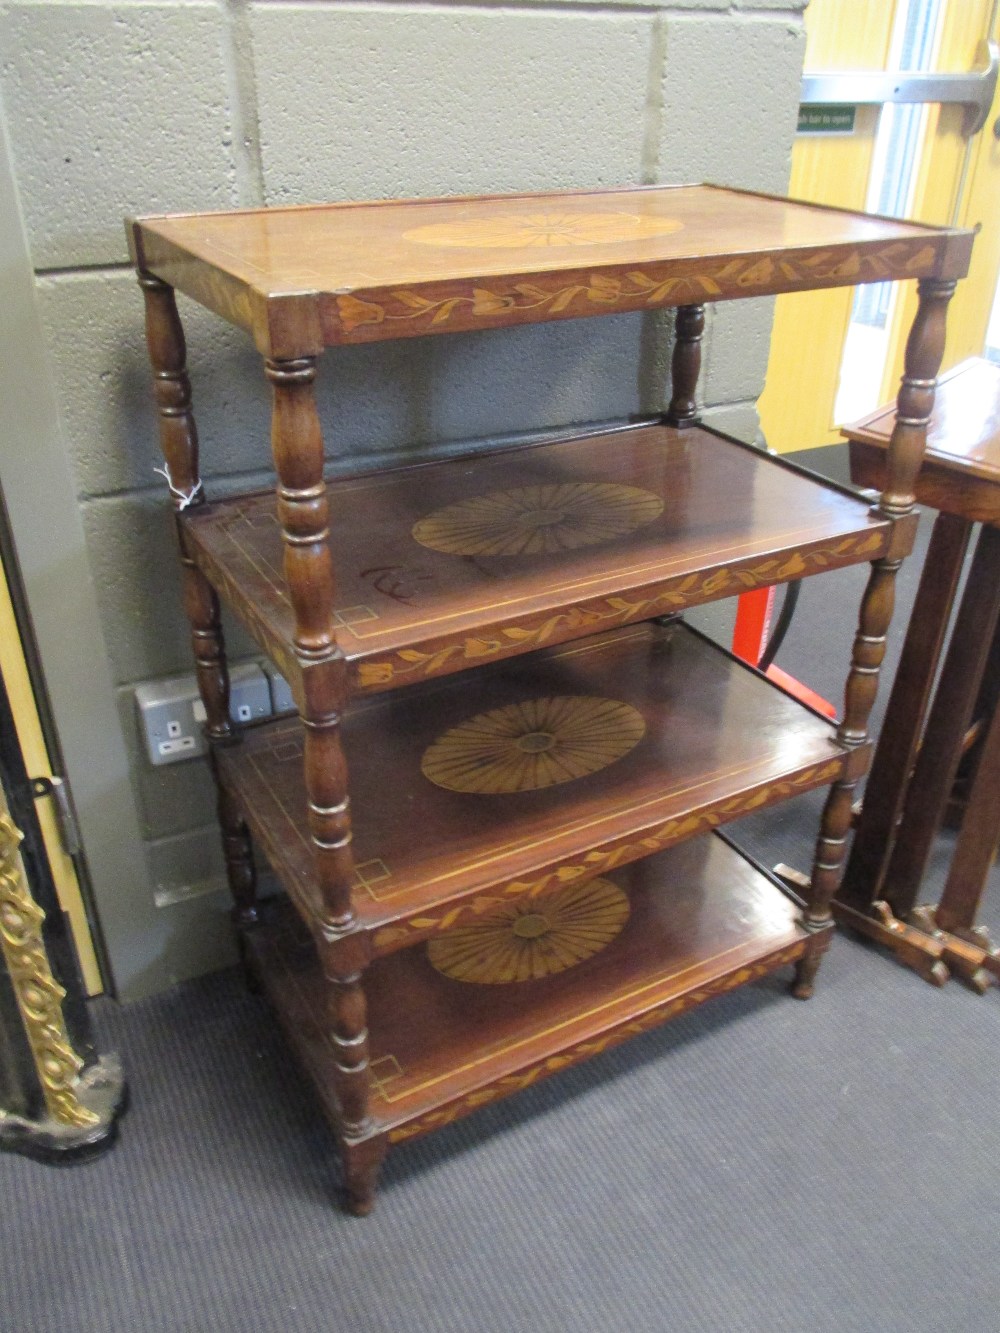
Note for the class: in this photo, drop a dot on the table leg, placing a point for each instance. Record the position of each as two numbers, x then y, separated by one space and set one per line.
941 750
986 705
978 840
896 751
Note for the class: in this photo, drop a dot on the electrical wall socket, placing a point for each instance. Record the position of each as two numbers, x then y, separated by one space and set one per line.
171 713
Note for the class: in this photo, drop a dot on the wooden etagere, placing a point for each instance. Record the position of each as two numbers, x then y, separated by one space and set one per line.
524 866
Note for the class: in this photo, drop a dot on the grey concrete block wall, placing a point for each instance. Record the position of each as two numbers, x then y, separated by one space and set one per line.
169 105
89 90
93 322
730 96
447 100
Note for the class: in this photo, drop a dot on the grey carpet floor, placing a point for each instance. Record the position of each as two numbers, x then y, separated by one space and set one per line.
757 1165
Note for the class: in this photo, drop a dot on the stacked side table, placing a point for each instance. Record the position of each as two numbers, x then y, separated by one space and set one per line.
523 867
915 767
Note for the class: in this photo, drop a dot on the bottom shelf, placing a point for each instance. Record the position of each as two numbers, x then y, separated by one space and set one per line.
692 922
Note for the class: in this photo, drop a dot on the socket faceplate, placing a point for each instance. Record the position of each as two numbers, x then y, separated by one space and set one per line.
171 714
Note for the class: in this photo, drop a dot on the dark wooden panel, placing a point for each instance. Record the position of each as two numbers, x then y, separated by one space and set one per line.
632 524
717 740
701 920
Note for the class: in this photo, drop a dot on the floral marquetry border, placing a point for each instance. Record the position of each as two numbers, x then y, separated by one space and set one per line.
553 1064
601 860
386 672
363 315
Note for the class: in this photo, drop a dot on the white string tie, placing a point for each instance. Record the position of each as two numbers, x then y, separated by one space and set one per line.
186 497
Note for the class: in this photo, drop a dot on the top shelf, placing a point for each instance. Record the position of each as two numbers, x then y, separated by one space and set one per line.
308 277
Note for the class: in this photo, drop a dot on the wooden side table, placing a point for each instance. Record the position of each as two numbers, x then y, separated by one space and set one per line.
914 768
514 877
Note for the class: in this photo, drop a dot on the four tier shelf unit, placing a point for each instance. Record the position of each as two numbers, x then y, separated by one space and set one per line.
494 818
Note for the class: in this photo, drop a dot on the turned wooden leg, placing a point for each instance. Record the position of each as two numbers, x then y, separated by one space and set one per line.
914 404
976 850
830 846
835 825
238 851
362 1149
892 765
179 443
362 1164
915 401
804 981
303 512
685 366
297 443
950 713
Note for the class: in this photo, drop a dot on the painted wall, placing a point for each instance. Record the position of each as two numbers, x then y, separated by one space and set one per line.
115 108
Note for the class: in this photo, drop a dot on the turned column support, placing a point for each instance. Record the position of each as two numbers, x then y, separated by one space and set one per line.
303 512
179 444
914 404
685 366
348 1026
362 1147
164 337
859 696
238 851
915 400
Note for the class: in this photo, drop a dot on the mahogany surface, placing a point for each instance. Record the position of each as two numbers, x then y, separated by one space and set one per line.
732 518
950 714
701 921
898 742
377 582
719 740
979 838
307 277
961 467
914 767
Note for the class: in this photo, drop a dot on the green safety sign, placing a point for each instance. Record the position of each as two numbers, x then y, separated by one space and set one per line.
818 119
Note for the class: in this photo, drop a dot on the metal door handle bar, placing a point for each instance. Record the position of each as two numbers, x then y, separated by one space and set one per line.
973 91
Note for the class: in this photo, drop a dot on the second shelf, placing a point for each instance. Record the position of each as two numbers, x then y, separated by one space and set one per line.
444 566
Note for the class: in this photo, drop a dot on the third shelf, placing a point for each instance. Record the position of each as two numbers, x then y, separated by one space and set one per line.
510 781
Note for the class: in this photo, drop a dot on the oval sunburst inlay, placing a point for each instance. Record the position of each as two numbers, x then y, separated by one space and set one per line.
527 941
533 744
544 228
538 520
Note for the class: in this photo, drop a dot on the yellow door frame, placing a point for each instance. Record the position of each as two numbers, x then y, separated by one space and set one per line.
797 406
958 182
17 679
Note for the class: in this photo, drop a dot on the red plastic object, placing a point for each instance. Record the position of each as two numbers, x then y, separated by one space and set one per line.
801 692
750 634
753 622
